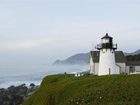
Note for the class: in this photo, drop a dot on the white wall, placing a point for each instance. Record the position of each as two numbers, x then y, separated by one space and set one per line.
96 68
123 67
127 69
118 69
107 63
137 68
91 66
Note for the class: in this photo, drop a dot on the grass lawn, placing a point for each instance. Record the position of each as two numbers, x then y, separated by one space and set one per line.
87 90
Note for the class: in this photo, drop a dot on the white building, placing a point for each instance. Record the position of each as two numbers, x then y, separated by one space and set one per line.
133 67
107 61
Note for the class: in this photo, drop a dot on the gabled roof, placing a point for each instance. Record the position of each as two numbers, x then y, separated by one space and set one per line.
119 56
95 56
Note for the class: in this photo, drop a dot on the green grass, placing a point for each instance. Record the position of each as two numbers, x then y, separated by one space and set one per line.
87 90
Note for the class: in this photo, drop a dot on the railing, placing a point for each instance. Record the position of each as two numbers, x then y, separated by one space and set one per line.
106 46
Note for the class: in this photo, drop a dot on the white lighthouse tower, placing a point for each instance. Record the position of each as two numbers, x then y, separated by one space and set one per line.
107 64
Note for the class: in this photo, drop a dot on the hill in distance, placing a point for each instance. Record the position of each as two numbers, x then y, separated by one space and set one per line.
82 58
87 90
133 53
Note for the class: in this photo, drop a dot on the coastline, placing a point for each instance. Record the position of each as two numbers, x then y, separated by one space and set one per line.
15 95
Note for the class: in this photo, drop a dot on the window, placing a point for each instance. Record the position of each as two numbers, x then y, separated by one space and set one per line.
131 69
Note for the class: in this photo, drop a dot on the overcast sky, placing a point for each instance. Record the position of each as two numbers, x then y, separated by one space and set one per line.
41 31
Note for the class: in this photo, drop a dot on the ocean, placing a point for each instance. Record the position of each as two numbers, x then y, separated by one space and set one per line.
20 74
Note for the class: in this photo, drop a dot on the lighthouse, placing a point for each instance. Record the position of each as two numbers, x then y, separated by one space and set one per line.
107 64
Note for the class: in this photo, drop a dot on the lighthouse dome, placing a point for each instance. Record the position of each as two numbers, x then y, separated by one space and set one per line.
107 37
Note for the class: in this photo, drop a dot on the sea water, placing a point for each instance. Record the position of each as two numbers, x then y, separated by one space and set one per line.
20 74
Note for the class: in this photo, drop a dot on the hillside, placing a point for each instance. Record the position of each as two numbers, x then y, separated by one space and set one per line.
133 53
133 57
87 90
83 58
